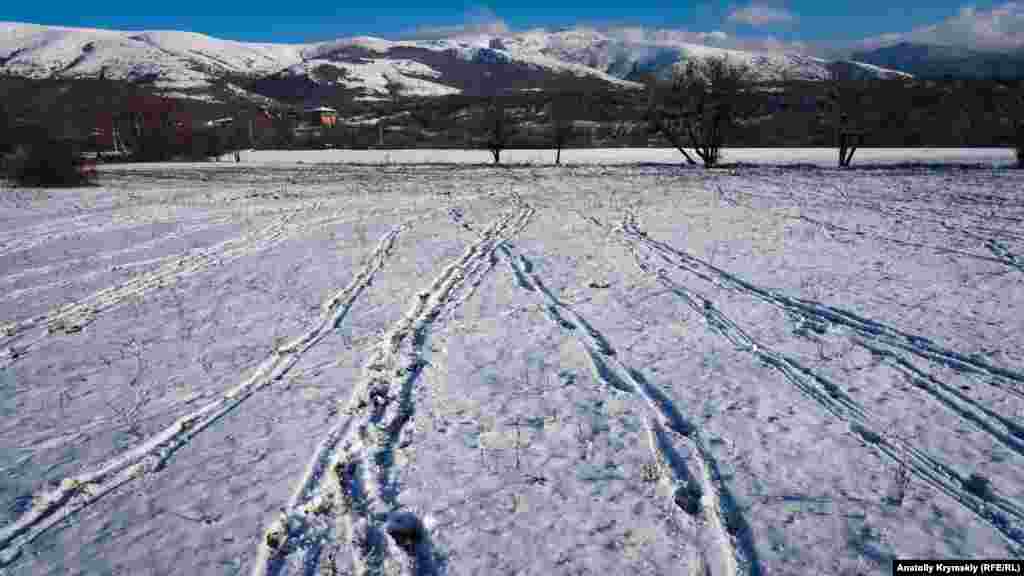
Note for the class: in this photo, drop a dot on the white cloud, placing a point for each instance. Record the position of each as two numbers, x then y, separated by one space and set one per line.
664 36
756 14
999 28
769 44
477 20
639 36
633 38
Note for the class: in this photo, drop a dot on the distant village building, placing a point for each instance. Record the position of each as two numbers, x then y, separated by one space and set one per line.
143 117
323 116
154 115
261 126
151 121
105 138
314 123
249 128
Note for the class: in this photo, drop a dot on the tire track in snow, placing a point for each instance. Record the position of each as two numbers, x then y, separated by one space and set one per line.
1002 429
347 499
1002 514
1001 255
72 318
29 237
810 309
77 492
887 341
703 493
102 258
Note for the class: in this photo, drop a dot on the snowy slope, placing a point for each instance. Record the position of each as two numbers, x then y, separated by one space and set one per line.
616 54
373 75
189 60
179 60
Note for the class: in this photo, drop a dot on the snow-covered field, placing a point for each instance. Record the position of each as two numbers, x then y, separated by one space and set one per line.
822 157
283 368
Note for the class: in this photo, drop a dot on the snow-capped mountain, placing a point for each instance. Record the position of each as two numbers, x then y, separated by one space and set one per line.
619 54
369 66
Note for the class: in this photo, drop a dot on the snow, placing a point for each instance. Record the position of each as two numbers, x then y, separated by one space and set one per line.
592 47
822 157
242 57
190 60
323 49
252 96
880 72
623 365
373 76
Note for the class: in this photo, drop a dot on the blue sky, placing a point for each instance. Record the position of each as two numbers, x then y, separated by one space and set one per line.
796 22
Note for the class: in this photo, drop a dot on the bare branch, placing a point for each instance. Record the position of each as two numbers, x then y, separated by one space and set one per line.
497 128
701 105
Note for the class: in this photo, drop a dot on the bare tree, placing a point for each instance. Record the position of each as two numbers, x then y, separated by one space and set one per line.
497 128
1018 143
1009 106
1018 117
843 96
6 142
560 111
699 106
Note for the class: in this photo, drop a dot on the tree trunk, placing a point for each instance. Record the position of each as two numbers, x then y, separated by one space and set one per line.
673 137
558 156
1019 145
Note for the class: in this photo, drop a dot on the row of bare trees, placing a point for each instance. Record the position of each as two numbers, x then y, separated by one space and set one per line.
695 111
705 100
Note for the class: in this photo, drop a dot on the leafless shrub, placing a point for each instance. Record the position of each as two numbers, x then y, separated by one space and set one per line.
844 96
699 106
1018 141
47 162
560 113
498 128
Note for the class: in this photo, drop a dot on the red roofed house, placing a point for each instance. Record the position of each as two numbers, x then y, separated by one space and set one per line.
152 115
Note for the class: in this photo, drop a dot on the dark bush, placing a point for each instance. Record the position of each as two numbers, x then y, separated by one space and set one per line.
206 145
49 162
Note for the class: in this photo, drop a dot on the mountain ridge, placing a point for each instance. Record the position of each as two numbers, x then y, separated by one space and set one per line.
367 66
935 60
